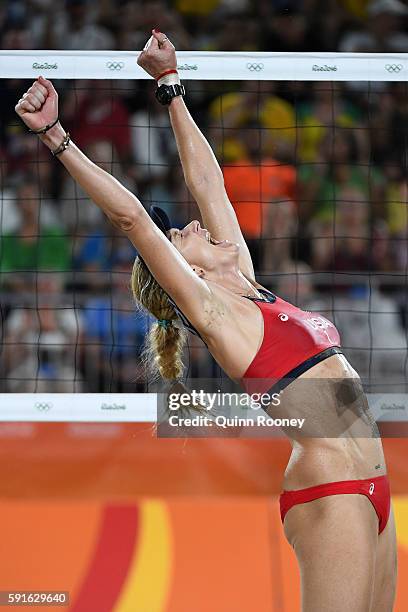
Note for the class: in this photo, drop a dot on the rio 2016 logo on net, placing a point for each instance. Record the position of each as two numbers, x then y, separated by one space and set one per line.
45 66
187 67
324 68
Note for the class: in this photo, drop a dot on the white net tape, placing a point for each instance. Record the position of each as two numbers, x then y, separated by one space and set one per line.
202 65
137 408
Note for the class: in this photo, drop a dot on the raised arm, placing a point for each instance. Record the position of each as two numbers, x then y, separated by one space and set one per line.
39 108
202 172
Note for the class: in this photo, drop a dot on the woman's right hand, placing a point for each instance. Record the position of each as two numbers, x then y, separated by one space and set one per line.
158 56
39 105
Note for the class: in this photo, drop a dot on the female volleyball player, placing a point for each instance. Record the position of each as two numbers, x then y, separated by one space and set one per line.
336 500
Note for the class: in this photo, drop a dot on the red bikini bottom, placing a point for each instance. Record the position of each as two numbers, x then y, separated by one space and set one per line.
377 490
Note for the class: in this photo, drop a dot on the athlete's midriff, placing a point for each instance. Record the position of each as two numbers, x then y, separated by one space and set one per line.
349 447
291 337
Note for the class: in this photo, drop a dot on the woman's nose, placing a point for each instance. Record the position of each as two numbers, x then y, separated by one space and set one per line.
193 226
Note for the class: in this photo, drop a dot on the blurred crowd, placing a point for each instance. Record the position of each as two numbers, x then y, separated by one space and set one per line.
207 25
317 173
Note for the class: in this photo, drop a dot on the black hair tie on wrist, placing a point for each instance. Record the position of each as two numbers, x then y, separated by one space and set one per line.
46 128
63 146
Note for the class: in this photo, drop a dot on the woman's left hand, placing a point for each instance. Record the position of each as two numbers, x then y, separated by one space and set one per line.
158 56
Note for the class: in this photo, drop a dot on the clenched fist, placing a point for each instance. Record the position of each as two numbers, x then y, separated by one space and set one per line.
158 56
39 105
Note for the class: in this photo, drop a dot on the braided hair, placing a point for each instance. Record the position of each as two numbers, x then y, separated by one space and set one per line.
165 341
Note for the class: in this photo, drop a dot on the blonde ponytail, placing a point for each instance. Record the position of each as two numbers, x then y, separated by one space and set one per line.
164 345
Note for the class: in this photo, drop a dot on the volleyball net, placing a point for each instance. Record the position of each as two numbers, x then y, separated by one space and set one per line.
314 154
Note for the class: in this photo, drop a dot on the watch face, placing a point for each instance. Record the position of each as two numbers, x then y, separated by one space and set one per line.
164 94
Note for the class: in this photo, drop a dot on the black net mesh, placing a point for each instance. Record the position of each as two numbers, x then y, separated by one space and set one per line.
317 173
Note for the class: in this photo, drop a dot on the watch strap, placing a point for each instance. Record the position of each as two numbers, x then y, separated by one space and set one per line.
179 90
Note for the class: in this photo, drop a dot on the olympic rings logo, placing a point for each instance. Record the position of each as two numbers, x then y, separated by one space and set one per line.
43 407
394 67
255 67
115 65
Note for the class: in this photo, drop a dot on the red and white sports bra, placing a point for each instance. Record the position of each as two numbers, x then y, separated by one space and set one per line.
294 340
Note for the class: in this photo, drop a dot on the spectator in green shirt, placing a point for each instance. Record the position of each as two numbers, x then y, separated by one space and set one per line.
33 246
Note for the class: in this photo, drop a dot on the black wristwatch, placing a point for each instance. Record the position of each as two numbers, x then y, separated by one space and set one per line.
165 93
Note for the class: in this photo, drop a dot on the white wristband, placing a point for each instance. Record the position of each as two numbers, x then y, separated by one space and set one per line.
169 79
